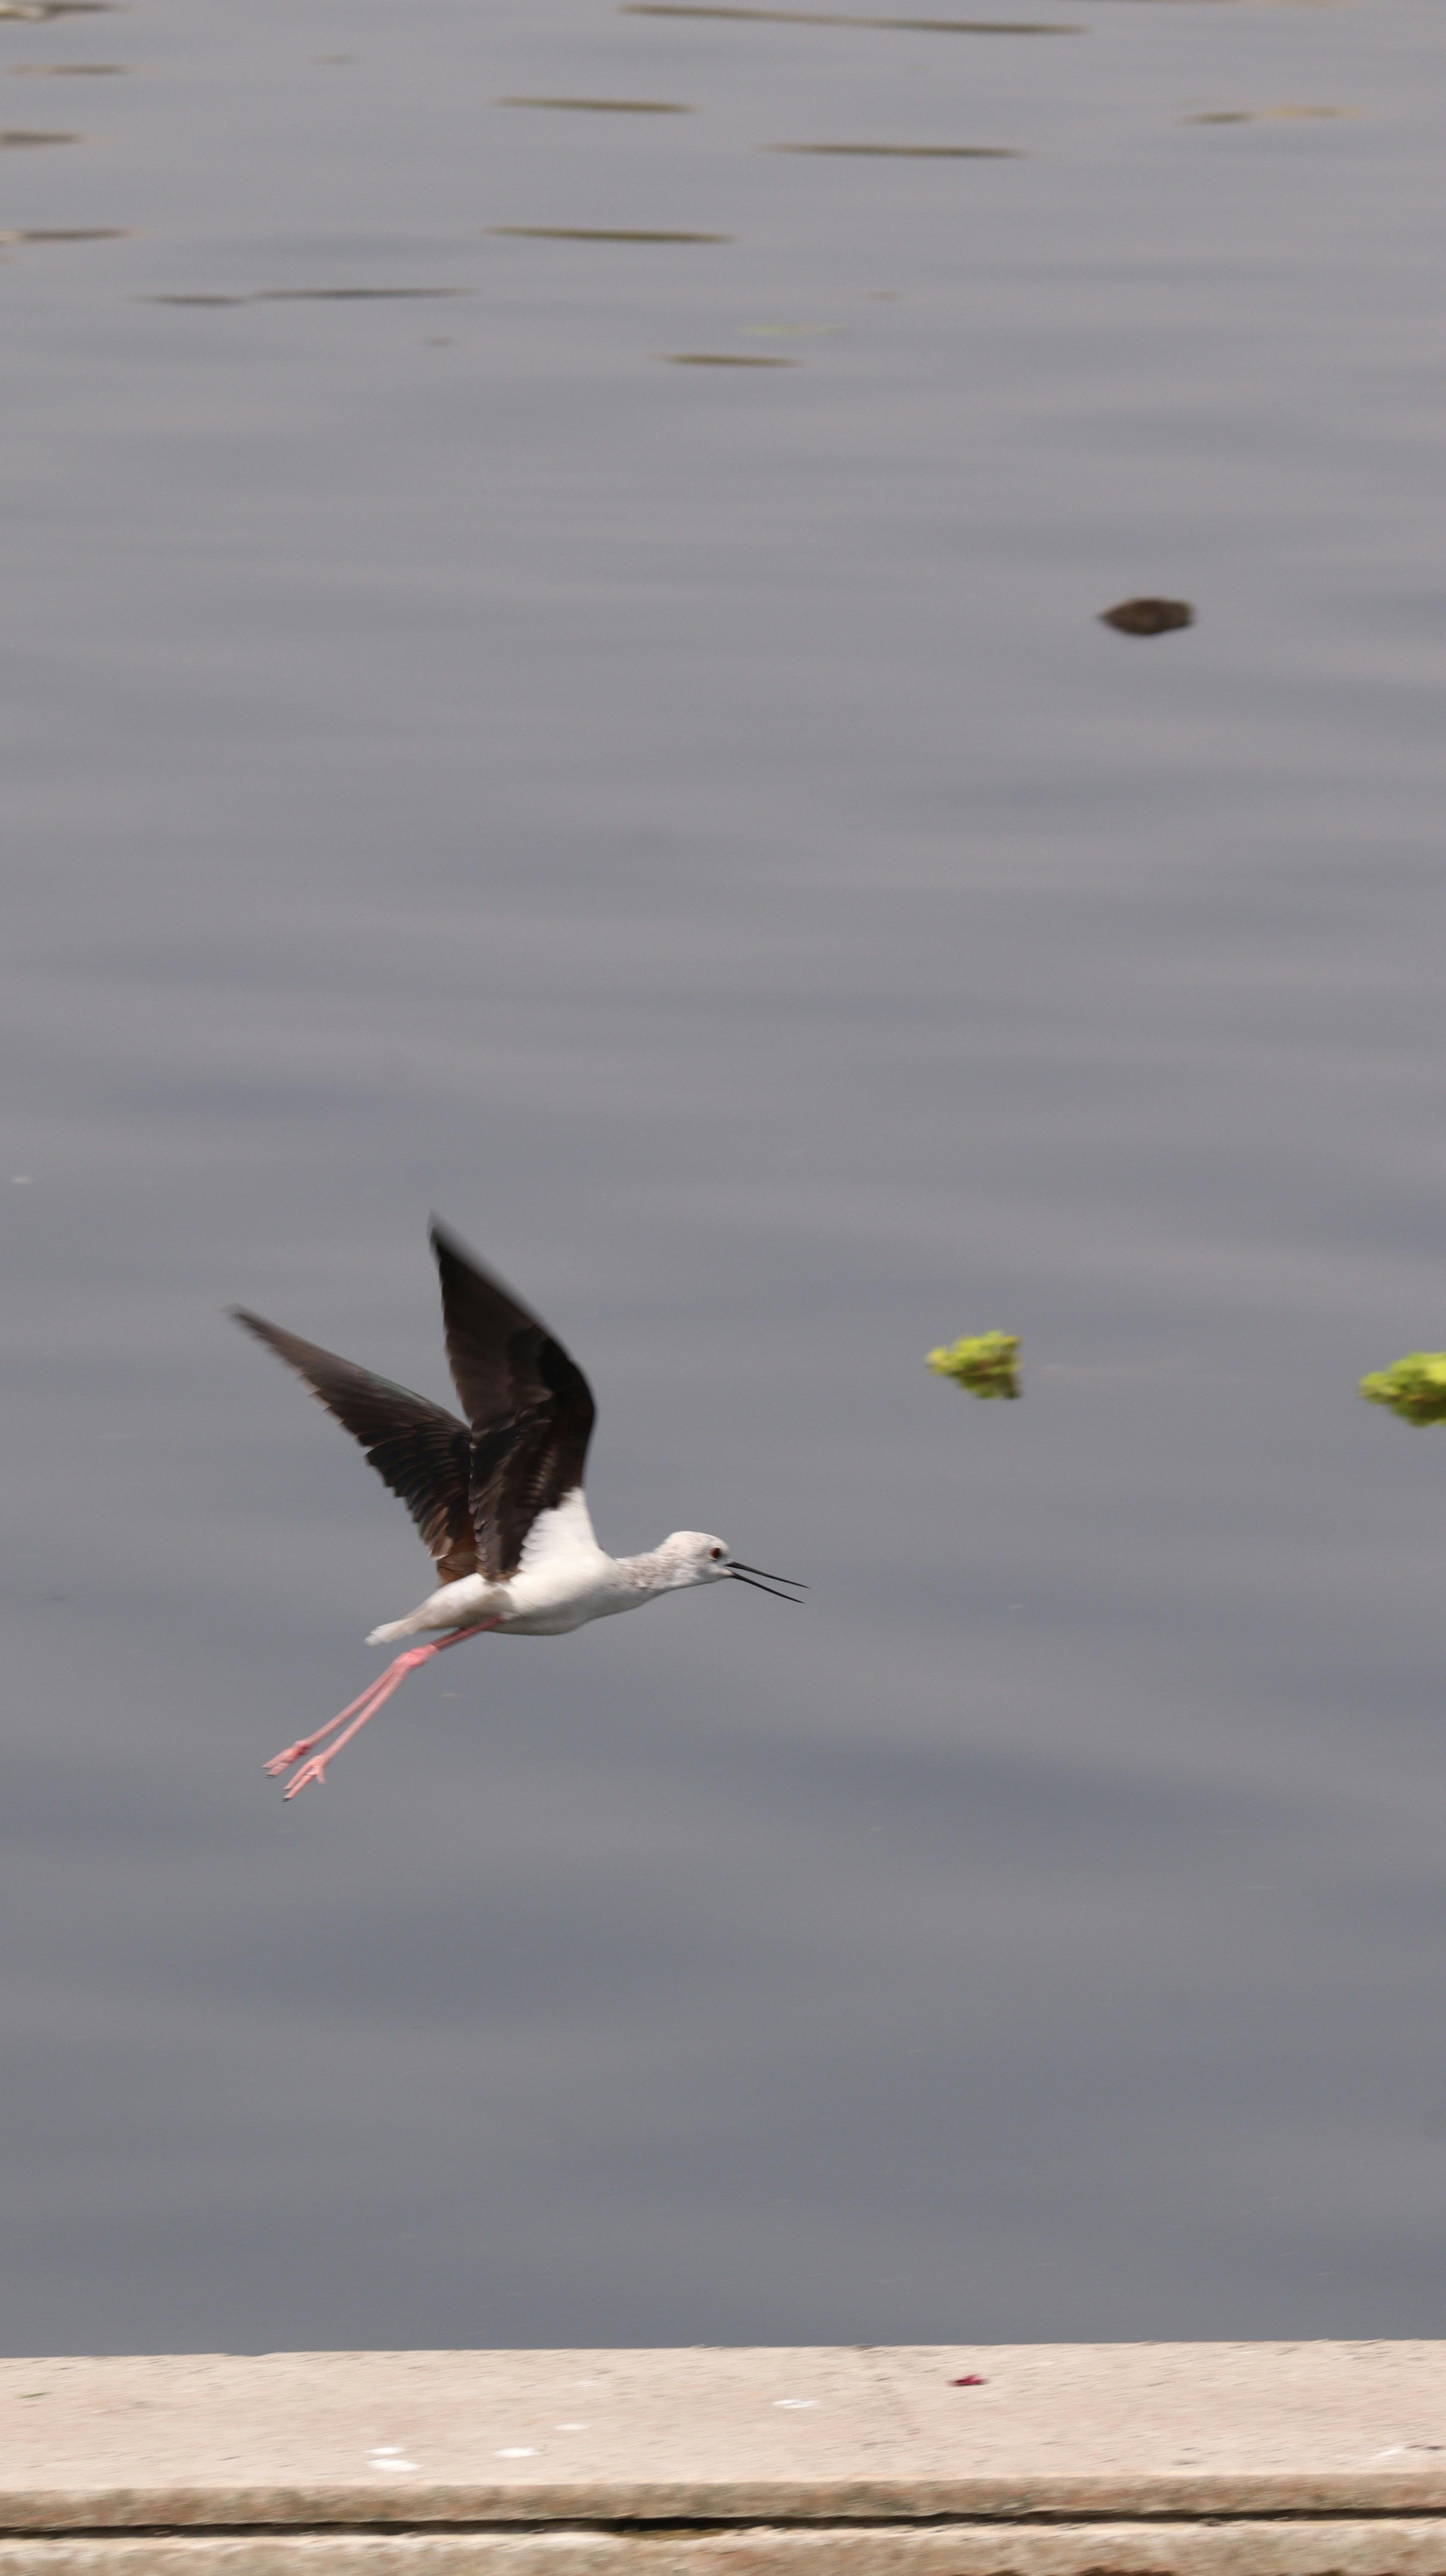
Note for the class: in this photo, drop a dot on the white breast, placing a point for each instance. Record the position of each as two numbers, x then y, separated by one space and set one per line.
564 1578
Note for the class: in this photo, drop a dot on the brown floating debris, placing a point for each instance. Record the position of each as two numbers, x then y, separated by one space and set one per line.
836 18
21 138
1148 616
607 106
35 12
577 232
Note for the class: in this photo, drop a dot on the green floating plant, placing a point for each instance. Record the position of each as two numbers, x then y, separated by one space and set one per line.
986 1363
1415 1387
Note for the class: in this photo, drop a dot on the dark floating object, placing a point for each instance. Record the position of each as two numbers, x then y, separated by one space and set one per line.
1414 1387
1148 616
720 358
35 12
579 232
902 151
20 138
607 106
987 1364
971 2379
837 18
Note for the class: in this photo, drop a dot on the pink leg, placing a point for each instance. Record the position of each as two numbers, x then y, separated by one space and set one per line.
375 1696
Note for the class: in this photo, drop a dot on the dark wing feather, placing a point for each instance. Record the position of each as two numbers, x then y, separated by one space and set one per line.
417 1449
529 1405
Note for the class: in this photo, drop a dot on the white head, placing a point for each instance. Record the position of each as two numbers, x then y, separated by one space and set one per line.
695 1556
690 1556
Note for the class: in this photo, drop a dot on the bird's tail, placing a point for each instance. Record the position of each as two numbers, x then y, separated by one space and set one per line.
455 1605
408 1627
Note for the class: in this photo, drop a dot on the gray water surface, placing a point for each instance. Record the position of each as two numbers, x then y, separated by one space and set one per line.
686 823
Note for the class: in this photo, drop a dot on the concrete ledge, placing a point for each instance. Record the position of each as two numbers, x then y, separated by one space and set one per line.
1405 2548
1058 2460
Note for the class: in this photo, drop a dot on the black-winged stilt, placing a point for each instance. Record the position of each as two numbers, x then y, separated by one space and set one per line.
498 1499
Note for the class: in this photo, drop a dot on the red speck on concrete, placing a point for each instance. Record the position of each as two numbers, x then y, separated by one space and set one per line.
971 2382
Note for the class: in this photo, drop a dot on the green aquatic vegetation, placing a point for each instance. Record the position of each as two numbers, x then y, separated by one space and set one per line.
986 1363
1414 1387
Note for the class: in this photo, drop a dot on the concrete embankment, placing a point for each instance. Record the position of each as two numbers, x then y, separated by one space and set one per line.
1305 2459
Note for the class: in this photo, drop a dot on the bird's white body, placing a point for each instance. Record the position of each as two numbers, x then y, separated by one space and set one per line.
565 1579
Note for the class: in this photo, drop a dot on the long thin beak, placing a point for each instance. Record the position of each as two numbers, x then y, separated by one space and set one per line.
759 1581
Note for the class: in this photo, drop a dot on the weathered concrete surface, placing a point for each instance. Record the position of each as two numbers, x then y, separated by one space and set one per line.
1069 2460
1108 2549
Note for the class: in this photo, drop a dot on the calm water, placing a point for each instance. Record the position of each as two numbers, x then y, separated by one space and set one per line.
686 823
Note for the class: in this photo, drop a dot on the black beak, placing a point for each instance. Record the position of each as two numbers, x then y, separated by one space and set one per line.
755 1577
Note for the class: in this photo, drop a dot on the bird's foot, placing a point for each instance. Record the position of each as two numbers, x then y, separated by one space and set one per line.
280 1762
371 1699
297 1752
315 1769
375 1696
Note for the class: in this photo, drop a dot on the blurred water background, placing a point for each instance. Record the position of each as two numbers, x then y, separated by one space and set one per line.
686 823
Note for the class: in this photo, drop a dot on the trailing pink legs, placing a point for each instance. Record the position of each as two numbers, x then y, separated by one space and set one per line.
375 1696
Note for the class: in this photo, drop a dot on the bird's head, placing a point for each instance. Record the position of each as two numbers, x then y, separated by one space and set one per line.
695 1556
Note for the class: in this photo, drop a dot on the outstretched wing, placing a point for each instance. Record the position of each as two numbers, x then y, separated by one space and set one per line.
529 1406
417 1449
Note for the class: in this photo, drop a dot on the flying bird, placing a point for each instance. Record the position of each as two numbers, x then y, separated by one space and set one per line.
498 1499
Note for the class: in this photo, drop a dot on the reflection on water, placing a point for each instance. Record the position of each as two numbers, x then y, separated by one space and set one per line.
67 233
598 233
721 358
901 151
692 832
1264 115
354 294
838 18
606 106
320 295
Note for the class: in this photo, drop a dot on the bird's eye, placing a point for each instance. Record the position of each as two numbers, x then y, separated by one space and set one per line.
717 1551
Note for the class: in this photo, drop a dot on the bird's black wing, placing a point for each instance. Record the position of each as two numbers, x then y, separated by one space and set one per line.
529 1405
417 1449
